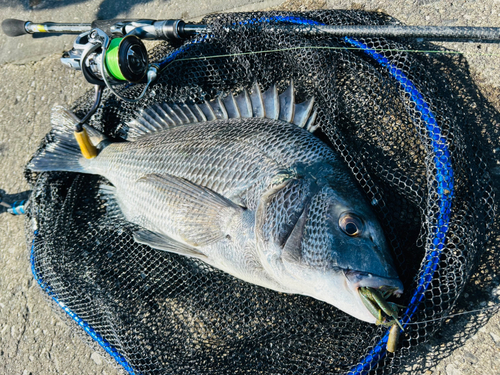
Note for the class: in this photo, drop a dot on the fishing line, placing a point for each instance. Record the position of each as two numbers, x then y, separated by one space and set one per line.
495 306
448 52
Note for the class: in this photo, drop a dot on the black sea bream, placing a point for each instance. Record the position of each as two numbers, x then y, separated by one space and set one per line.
243 185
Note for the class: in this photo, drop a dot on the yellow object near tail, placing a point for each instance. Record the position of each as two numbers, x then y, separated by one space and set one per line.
89 151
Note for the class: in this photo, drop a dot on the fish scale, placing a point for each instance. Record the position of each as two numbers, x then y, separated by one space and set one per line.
235 152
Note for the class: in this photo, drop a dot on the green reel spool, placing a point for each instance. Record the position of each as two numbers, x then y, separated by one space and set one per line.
127 59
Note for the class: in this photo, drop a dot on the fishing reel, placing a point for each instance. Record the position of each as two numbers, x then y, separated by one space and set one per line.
110 52
108 61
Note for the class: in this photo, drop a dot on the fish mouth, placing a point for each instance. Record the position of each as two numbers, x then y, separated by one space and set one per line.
358 279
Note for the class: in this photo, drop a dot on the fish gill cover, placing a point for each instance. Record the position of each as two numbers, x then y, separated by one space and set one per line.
407 125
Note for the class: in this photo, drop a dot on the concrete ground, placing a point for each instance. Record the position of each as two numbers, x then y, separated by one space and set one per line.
33 339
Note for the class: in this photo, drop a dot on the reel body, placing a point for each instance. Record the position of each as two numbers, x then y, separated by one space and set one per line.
126 58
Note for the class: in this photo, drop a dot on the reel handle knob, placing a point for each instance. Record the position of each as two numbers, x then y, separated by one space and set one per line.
13 27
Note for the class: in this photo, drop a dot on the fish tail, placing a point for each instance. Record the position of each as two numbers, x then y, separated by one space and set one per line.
63 153
63 120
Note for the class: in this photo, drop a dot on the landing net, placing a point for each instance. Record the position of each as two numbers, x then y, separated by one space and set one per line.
409 125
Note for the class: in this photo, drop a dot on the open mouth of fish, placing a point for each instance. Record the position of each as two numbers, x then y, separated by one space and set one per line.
374 291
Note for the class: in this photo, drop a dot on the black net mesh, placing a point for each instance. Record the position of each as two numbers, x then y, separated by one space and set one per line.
407 124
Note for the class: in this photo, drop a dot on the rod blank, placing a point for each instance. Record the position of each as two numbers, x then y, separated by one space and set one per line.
424 32
13 27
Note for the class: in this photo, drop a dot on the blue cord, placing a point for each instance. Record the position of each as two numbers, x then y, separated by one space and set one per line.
445 190
285 19
17 208
173 55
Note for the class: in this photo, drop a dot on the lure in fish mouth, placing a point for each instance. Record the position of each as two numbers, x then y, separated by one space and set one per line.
373 292
241 184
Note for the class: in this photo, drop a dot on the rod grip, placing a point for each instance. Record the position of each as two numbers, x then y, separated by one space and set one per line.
13 27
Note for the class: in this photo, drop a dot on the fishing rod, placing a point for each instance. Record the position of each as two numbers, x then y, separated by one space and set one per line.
111 52
178 29
108 53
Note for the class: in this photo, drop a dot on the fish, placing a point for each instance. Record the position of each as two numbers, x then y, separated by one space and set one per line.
241 183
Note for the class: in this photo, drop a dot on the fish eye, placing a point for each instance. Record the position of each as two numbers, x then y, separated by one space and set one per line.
350 224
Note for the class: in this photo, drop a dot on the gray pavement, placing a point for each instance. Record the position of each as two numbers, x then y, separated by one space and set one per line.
33 339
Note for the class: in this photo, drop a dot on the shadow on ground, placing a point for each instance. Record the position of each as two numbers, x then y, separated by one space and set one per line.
106 10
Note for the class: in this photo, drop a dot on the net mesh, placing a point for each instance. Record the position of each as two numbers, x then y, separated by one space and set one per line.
408 126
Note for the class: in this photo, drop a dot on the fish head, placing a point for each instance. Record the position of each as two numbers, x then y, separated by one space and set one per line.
336 247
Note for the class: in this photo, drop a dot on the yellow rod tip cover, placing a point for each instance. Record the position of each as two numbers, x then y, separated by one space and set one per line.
88 150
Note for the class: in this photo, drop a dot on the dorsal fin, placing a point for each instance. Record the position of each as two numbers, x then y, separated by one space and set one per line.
268 104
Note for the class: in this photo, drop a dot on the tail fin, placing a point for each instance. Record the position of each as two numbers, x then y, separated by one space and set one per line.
63 154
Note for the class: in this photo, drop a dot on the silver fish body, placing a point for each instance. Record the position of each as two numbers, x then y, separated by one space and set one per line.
260 198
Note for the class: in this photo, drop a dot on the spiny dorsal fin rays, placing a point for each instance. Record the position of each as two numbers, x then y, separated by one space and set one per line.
198 112
269 104
310 125
257 101
181 116
244 104
161 110
232 109
207 110
303 112
219 109
287 104
189 113
154 119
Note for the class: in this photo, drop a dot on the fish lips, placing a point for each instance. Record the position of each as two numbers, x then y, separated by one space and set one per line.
358 279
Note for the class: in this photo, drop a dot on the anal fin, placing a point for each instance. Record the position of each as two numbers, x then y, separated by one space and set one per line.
113 210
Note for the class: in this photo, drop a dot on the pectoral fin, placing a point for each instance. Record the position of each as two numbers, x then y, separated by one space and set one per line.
199 215
165 243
